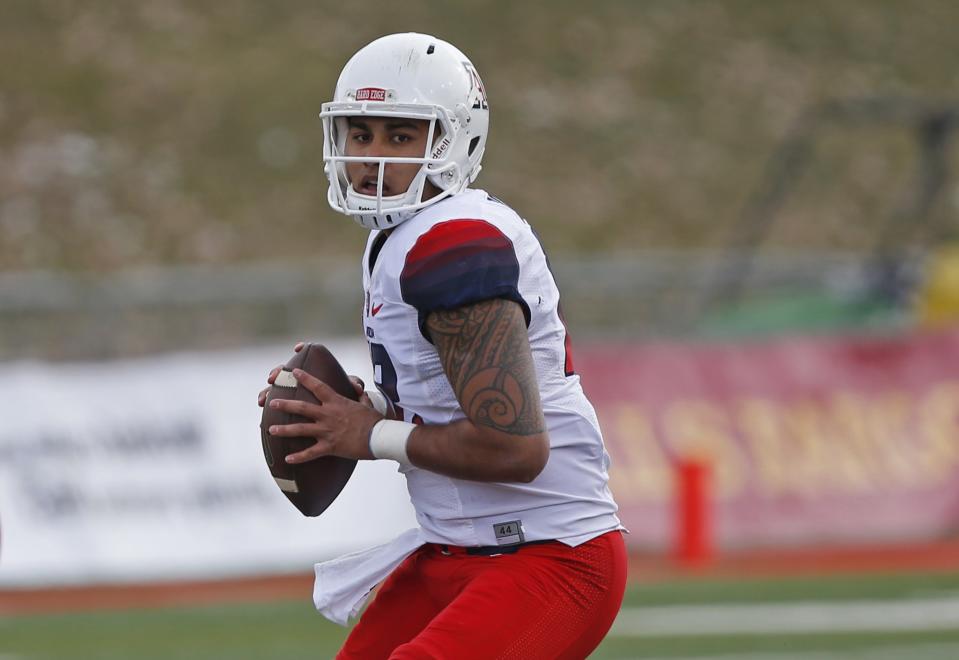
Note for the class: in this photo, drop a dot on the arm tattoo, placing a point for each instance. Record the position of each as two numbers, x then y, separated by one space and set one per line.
485 352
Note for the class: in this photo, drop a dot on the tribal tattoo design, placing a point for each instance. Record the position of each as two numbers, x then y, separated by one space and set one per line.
485 352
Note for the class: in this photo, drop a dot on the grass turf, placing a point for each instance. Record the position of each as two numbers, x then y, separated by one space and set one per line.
293 630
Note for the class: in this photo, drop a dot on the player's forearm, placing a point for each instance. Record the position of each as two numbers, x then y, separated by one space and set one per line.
464 451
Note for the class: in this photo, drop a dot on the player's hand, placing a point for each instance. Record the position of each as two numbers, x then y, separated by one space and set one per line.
358 385
360 388
340 426
271 378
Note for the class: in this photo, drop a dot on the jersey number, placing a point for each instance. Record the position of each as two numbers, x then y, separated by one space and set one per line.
384 373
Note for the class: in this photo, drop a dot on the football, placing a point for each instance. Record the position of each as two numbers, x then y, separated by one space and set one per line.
312 486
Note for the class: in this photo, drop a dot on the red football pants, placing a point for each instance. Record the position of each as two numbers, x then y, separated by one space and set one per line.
544 601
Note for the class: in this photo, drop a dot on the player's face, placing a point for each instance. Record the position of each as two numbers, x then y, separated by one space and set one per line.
386 137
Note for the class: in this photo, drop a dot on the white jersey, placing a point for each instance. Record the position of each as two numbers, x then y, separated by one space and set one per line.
468 248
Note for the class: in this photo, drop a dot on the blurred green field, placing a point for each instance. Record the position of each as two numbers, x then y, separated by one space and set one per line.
290 630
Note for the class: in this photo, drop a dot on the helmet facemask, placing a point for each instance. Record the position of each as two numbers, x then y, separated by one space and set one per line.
436 165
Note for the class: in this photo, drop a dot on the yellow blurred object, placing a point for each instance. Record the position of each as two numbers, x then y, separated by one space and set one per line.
938 299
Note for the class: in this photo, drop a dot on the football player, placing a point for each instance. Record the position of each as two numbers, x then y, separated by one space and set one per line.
519 553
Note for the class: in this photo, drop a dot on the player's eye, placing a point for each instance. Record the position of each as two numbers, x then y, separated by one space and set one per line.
402 138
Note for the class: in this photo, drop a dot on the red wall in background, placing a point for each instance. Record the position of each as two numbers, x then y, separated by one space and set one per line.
812 441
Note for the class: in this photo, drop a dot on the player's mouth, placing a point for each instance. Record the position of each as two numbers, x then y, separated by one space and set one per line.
368 187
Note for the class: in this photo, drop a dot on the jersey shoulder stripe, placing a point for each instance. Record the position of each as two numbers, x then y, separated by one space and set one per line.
460 262
463 232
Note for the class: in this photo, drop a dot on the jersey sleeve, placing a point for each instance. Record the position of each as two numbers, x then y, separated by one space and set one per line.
458 263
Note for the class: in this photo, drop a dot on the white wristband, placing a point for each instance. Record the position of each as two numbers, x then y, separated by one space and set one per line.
388 440
380 403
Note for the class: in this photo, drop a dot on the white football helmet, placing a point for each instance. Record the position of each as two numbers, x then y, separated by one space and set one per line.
413 76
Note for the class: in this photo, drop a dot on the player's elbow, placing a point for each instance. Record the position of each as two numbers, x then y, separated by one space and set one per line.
533 458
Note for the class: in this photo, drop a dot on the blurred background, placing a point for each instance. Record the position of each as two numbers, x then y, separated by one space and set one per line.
752 211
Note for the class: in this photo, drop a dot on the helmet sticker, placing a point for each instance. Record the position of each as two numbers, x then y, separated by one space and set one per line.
371 94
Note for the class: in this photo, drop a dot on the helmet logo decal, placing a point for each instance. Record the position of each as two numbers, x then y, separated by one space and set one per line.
371 94
441 148
476 85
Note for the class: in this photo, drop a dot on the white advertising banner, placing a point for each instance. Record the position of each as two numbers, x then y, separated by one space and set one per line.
153 469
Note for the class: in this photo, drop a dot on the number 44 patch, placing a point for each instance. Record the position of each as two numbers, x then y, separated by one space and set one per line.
509 533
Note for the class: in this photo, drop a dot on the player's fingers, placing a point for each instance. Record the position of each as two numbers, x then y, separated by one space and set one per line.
321 390
297 430
274 372
358 385
299 347
301 408
366 401
261 397
321 448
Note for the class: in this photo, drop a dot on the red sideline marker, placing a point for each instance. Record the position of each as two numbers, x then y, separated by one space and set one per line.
694 543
